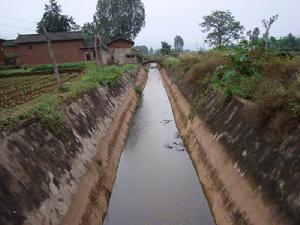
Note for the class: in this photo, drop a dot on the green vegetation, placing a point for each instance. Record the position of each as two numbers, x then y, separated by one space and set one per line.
171 62
166 49
54 20
36 96
178 43
107 76
65 66
138 89
269 78
222 28
17 90
121 19
42 69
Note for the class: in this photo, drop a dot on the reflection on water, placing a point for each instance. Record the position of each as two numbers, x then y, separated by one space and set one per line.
156 182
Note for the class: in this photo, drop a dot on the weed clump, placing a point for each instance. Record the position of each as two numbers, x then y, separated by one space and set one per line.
107 76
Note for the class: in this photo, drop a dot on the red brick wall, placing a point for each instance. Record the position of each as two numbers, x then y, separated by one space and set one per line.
11 50
1 54
37 53
120 44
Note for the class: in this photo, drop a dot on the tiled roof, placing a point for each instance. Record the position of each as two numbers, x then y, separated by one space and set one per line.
60 36
121 39
10 43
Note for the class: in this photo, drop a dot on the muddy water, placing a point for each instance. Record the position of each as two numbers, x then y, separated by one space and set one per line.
156 183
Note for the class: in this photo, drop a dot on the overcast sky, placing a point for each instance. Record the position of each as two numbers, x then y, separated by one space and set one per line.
164 18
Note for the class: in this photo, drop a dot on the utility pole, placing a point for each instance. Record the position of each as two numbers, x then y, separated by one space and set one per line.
100 51
52 56
96 50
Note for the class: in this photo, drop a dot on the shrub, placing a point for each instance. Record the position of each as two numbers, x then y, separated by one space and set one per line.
205 67
171 62
107 76
65 66
187 61
138 89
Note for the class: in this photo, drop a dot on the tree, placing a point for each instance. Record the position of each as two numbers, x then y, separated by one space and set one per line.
151 51
90 34
143 49
290 41
54 20
222 28
119 19
165 48
178 43
253 35
268 24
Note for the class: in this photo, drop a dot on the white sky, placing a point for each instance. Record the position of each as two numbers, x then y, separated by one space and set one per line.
164 18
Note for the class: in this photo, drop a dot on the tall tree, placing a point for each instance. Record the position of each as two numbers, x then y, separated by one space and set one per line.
143 49
151 51
54 20
268 24
253 35
178 43
165 48
119 18
222 28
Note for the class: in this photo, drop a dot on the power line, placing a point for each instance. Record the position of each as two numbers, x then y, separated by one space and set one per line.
18 20
11 26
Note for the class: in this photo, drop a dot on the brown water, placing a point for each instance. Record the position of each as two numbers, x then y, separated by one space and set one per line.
156 183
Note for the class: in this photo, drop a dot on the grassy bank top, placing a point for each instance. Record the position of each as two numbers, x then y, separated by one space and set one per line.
37 96
269 79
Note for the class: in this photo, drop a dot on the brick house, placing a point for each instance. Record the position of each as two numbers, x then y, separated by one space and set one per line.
121 51
10 47
67 47
32 49
2 57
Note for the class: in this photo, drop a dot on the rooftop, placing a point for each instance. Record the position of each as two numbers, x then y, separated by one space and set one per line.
60 36
121 39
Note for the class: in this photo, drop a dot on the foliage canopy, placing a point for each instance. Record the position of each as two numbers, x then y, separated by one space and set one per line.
165 48
222 28
54 20
178 43
119 19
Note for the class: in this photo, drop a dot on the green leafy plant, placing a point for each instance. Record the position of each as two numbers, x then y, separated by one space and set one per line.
138 89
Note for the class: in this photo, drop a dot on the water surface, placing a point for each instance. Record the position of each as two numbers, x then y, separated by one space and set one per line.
156 183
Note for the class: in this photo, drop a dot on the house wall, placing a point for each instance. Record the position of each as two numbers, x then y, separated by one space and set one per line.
37 53
11 50
2 62
120 56
120 44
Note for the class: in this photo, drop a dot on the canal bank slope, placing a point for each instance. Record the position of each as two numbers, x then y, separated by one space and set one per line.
218 150
64 174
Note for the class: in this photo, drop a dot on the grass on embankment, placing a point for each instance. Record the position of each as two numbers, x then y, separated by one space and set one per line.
47 107
40 70
269 79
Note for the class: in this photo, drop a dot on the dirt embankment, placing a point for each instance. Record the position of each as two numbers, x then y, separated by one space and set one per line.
218 149
64 174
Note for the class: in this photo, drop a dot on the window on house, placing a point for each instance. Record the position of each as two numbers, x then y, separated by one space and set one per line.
88 57
130 56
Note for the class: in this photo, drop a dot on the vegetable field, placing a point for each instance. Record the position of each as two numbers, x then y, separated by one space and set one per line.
18 90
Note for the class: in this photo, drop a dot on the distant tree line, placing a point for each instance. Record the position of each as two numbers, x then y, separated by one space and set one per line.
224 30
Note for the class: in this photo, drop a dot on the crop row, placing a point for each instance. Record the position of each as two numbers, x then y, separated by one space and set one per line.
16 91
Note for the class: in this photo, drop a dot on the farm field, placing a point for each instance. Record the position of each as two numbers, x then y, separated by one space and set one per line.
24 96
18 90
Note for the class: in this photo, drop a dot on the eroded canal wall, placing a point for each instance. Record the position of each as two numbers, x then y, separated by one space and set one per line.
247 179
65 175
